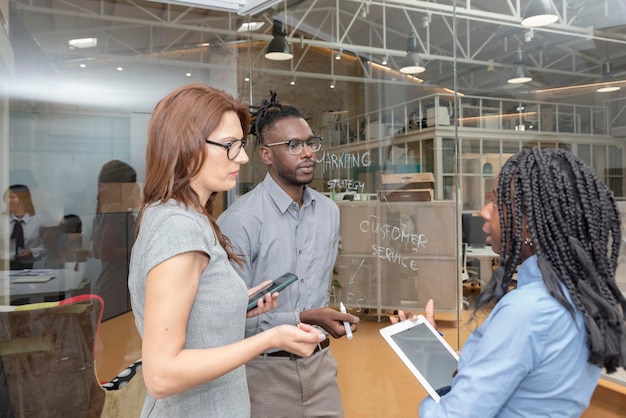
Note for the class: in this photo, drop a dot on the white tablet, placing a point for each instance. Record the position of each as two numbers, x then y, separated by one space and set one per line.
427 355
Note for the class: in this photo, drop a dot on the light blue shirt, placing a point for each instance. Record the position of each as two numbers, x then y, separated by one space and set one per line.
528 359
276 236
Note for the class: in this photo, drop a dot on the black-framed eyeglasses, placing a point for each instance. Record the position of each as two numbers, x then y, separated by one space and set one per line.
296 146
232 148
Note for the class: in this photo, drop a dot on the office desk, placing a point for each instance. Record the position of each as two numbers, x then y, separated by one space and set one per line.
485 255
64 281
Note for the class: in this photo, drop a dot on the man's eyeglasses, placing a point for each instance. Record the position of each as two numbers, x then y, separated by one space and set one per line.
232 148
296 146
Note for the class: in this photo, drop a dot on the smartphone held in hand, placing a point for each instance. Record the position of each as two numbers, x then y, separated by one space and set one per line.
275 286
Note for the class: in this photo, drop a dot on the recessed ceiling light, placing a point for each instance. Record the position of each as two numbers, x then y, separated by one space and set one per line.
83 43
250 26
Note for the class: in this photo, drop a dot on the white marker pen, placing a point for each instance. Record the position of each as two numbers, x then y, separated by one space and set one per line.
346 324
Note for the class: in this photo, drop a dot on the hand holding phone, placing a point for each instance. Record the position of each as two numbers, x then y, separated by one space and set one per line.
259 293
275 286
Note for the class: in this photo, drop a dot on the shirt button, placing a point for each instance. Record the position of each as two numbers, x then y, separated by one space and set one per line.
300 252
301 280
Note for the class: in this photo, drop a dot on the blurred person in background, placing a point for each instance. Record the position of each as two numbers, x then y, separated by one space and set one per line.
119 197
25 245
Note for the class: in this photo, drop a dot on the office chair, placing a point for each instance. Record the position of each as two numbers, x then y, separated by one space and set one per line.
468 276
47 361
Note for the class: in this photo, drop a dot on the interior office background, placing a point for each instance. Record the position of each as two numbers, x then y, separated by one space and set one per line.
68 109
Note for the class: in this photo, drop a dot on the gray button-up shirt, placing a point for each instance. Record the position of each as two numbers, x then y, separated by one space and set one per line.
275 236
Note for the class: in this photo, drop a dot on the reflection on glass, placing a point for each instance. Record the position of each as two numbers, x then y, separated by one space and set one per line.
509 148
448 153
472 199
114 233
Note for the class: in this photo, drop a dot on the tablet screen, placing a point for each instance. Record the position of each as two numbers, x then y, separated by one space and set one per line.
427 354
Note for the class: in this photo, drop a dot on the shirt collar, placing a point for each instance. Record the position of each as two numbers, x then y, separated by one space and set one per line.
528 272
24 218
281 198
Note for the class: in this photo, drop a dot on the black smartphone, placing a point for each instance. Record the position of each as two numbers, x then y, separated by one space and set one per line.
276 286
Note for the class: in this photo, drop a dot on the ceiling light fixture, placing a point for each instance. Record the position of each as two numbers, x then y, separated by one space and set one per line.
83 43
253 7
332 84
447 90
607 78
385 60
293 81
279 48
520 73
365 9
540 13
338 55
250 26
412 62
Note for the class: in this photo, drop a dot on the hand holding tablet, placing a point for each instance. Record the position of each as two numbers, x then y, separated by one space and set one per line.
422 349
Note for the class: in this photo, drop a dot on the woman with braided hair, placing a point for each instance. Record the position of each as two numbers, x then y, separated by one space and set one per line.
540 350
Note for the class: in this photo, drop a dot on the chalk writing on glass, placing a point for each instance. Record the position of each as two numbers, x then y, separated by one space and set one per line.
354 298
346 184
399 234
355 272
331 161
395 233
394 256
355 301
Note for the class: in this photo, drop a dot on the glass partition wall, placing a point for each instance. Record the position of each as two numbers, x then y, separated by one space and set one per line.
411 154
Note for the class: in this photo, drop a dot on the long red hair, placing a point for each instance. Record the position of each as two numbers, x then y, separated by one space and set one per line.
176 148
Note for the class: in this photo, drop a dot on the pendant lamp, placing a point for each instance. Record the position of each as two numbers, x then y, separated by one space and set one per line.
539 13
520 73
412 62
279 48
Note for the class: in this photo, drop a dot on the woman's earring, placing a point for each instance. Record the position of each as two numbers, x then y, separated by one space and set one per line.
528 241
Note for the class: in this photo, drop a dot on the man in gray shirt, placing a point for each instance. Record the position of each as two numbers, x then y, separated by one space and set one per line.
284 226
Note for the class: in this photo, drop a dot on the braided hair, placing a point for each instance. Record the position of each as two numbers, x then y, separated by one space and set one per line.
575 227
265 116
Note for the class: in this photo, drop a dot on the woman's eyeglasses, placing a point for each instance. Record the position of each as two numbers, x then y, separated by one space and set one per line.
232 148
296 146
